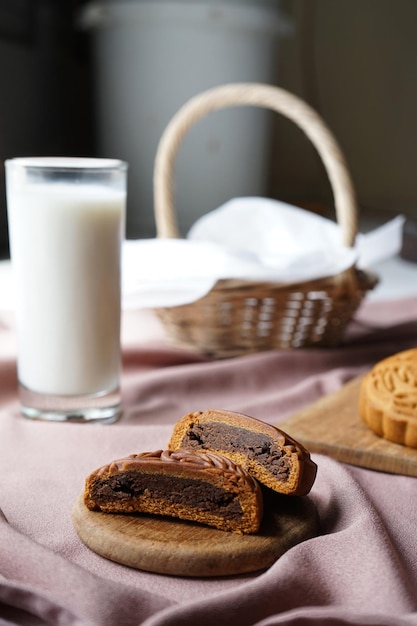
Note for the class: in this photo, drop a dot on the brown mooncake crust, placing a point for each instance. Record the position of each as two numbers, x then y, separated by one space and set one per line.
388 398
186 484
270 455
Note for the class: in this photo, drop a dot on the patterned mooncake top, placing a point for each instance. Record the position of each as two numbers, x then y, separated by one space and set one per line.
392 383
185 460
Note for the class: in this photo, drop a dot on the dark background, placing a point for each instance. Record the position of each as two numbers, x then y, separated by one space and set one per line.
45 72
355 61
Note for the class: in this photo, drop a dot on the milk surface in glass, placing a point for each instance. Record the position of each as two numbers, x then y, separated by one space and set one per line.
65 243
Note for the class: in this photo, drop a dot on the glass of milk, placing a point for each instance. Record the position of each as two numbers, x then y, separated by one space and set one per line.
66 220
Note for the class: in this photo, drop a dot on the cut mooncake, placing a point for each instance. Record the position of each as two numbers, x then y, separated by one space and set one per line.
186 484
271 456
388 398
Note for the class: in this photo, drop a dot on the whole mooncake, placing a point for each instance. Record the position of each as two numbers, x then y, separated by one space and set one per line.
388 398
186 484
270 455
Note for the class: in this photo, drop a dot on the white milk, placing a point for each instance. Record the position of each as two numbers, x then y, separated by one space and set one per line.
65 246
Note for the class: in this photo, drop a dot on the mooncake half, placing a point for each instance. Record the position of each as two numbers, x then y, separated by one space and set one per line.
186 484
270 455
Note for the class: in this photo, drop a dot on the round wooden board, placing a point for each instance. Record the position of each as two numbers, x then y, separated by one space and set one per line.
167 546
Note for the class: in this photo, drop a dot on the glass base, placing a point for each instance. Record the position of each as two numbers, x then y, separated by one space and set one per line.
101 408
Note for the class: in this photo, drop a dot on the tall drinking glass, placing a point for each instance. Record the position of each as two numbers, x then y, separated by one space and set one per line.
66 221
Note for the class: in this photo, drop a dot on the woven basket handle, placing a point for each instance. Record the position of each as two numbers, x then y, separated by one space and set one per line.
267 96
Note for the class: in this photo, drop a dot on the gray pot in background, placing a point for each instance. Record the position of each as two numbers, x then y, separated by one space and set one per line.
149 58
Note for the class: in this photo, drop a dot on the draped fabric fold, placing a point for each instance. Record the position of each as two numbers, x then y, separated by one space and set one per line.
360 570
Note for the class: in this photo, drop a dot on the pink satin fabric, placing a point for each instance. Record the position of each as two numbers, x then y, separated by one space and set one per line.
361 569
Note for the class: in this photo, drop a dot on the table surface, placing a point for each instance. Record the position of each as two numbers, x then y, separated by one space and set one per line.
361 568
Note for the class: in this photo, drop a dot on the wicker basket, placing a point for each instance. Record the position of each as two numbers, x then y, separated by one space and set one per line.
240 317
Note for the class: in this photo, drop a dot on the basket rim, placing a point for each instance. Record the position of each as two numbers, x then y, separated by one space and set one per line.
351 283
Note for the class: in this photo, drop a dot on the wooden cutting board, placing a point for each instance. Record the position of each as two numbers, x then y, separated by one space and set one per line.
167 546
332 426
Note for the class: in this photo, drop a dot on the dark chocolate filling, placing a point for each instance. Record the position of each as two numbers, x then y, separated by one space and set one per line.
188 492
228 438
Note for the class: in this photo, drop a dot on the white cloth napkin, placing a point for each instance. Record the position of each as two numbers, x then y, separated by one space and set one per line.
246 238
